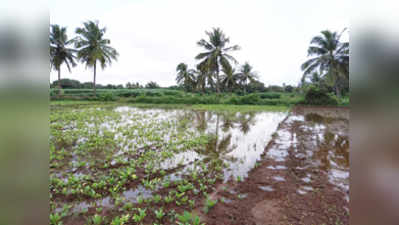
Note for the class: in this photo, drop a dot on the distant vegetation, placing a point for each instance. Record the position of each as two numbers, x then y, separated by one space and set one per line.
218 78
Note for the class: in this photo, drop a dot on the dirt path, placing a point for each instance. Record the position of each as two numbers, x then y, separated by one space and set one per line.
303 177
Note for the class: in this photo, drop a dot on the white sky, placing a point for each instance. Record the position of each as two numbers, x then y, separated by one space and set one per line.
153 36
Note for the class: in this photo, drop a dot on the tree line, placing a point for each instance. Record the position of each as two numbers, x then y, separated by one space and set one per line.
90 48
75 84
217 69
328 66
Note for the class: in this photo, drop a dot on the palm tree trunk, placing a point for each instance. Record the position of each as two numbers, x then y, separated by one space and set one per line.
217 82
337 90
59 81
94 81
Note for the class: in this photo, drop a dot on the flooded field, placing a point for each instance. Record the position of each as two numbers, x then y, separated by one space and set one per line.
125 165
302 178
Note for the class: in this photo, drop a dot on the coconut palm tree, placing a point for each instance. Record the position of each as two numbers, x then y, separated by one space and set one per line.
247 74
93 47
229 78
185 76
331 58
60 53
203 77
216 55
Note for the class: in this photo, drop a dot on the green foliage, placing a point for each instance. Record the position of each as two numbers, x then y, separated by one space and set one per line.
140 216
159 213
55 219
209 204
97 220
187 218
318 96
152 85
107 97
269 95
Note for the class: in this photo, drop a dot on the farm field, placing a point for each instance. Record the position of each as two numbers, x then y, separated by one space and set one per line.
113 163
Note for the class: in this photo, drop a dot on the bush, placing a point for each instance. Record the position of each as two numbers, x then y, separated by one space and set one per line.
129 94
153 94
317 96
270 95
107 97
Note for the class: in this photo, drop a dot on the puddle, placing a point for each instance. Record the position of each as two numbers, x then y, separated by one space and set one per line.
323 135
226 200
132 195
266 188
278 167
279 178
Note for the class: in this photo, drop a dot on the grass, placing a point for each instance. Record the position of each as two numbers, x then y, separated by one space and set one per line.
213 108
166 96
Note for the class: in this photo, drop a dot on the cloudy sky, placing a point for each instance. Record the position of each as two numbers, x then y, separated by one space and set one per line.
153 36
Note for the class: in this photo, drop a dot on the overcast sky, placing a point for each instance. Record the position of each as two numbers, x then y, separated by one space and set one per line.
153 36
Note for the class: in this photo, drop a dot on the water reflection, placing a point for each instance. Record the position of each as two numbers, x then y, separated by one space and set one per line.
238 138
323 135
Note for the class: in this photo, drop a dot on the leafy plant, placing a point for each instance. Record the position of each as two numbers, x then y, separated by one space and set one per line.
159 213
140 216
209 203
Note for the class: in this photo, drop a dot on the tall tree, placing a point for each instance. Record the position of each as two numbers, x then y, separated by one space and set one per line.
185 76
247 74
330 58
203 77
93 47
216 55
229 78
60 53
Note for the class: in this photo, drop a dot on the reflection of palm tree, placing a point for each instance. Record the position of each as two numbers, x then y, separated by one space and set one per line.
200 118
228 121
245 121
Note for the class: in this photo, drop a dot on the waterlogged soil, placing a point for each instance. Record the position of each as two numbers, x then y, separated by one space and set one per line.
116 162
301 178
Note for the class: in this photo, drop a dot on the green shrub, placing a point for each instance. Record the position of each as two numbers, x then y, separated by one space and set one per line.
129 94
317 96
108 96
270 96
251 99
173 93
153 94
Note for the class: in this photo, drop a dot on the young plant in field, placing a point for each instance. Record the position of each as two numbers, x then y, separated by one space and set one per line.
187 218
191 203
166 184
157 198
140 199
140 216
120 220
209 204
159 213
55 219
127 206
184 199
97 220
168 199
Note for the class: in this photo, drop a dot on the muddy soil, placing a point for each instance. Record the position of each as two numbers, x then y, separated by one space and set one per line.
302 178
